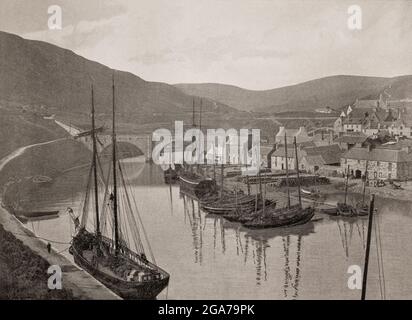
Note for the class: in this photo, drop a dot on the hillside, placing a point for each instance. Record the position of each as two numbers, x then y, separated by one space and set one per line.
38 73
334 91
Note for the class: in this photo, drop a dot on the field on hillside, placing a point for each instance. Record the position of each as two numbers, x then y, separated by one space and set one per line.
20 128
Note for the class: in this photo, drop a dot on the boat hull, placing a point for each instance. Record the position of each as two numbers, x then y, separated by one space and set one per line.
130 290
303 216
221 207
198 188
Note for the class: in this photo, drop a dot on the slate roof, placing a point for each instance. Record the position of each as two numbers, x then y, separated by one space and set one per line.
354 137
318 155
382 153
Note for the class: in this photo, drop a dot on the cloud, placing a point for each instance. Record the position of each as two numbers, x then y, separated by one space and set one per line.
257 44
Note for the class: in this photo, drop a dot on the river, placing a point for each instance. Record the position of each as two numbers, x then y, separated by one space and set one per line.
210 258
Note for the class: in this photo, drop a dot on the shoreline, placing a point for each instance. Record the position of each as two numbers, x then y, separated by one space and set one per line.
82 284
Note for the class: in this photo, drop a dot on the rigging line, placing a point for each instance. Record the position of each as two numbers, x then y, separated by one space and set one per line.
86 198
138 216
132 223
380 248
122 230
378 260
135 233
378 231
104 203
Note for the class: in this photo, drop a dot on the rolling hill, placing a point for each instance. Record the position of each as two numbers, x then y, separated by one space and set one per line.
39 73
334 91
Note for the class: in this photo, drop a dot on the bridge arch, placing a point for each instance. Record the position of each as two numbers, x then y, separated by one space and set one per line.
142 144
124 150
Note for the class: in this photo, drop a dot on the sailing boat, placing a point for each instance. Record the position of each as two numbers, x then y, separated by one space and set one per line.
228 203
191 182
112 260
245 214
288 216
343 208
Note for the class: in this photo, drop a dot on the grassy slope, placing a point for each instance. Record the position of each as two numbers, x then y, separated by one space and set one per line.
18 129
23 274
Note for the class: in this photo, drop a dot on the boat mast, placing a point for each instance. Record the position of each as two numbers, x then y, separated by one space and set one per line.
346 184
116 226
200 129
297 170
287 170
193 113
364 183
221 180
96 190
368 245
200 114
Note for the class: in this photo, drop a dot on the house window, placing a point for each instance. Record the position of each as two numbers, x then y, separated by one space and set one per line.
390 166
378 163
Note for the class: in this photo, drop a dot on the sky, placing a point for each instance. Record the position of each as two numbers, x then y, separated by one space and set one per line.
254 44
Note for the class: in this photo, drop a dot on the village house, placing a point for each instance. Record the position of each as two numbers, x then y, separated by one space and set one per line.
367 116
278 155
324 160
311 158
392 160
402 126
350 140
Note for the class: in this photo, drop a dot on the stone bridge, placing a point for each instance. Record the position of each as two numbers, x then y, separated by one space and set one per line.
143 142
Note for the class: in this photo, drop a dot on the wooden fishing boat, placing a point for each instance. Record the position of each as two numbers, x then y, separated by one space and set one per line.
332 211
362 209
346 210
242 215
196 185
114 252
282 217
229 204
35 214
312 194
289 216
126 273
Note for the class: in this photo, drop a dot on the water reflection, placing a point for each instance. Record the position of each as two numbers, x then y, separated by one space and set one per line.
211 258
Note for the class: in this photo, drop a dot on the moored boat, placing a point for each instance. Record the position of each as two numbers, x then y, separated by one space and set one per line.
288 216
114 252
282 217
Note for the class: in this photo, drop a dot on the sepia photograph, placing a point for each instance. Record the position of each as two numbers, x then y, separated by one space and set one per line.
205 150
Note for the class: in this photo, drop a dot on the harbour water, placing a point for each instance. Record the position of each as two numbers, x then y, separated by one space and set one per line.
210 258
